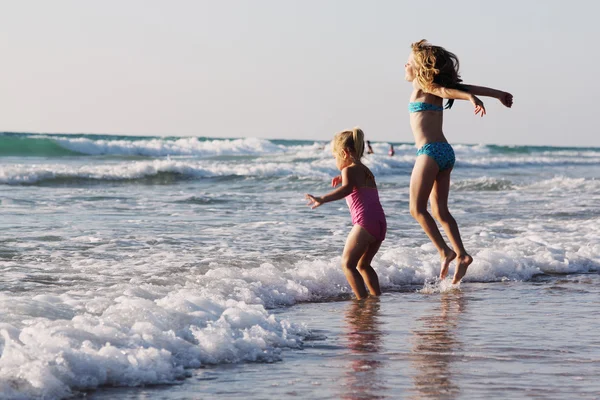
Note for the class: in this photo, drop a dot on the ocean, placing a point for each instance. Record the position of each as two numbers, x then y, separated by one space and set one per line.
171 267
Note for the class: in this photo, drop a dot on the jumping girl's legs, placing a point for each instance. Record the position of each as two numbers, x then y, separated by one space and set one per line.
357 244
367 272
439 209
421 184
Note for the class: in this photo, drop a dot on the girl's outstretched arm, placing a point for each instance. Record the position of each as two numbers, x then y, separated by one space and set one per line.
348 183
456 94
504 97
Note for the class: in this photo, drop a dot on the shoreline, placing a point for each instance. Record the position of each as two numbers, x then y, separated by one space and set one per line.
464 343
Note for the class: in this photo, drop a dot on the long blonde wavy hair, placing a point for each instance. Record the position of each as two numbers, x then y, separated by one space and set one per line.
353 140
434 64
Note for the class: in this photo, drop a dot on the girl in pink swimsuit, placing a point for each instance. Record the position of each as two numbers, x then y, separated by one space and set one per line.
359 188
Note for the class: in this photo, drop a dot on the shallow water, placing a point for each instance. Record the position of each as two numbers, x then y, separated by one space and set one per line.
156 261
497 341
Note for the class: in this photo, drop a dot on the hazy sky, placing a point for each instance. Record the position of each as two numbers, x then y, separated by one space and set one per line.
294 69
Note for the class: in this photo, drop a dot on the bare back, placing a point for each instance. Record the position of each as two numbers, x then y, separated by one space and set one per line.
362 175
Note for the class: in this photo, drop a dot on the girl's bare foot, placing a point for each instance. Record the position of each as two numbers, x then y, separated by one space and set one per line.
446 260
462 263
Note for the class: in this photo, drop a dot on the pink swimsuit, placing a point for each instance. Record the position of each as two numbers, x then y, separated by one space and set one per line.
366 211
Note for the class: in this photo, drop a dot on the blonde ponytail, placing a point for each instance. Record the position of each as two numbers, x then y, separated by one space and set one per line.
358 137
353 140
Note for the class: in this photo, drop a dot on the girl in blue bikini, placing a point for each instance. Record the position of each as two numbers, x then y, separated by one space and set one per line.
433 72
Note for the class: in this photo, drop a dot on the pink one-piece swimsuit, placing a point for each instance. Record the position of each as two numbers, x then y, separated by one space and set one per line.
366 211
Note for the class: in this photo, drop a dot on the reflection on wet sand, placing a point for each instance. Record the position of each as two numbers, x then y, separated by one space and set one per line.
434 348
364 336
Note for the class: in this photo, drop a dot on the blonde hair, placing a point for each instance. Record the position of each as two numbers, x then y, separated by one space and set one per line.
353 140
434 64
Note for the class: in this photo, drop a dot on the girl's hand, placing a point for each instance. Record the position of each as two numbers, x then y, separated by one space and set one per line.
313 201
506 99
479 107
336 181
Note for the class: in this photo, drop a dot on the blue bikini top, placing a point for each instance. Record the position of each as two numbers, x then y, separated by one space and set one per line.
417 106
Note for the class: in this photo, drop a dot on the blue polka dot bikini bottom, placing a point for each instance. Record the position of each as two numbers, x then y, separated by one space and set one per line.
441 152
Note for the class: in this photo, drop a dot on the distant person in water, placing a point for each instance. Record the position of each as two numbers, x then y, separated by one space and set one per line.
369 148
434 74
359 188
391 152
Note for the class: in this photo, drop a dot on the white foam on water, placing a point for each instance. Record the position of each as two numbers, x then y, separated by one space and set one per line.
155 327
483 183
323 168
312 161
535 160
132 339
439 286
33 173
560 183
78 320
192 146
160 147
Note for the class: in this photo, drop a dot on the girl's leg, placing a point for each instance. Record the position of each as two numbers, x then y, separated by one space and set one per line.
367 272
421 184
356 245
439 208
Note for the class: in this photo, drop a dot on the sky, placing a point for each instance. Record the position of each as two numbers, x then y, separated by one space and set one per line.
294 69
